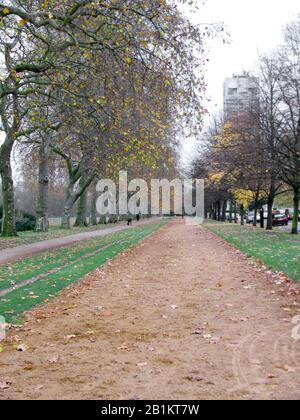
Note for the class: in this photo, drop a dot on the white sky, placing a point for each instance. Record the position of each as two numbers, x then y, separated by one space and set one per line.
255 26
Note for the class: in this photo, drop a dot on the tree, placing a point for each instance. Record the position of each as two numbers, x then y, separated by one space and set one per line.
45 44
269 120
288 69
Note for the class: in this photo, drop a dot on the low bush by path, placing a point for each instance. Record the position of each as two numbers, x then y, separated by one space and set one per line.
278 250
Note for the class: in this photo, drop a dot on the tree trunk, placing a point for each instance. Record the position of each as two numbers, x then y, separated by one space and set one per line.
230 212
72 195
9 219
65 221
219 211
271 199
255 216
296 210
81 216
215 212
262 218
235 213
224 210
94 219
242 215
270 213
42 220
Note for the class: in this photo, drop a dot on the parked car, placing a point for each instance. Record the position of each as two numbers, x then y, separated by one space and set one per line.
280 220
250 217
291 214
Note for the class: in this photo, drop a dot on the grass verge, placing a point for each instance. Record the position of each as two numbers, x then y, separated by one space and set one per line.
16 302
26 238
280 251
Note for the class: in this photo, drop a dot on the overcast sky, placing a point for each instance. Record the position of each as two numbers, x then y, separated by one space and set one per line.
255 26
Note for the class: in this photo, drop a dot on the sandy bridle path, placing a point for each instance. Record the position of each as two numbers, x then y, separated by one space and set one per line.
182 316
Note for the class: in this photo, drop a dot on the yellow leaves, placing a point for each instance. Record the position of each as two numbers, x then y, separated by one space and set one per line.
228 137
15 75
216 178
243 197
228 126
6 11
45 4
22 23
128 60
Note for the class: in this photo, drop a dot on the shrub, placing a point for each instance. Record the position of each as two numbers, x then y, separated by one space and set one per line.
25 223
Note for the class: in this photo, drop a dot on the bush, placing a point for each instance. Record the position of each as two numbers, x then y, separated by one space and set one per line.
23 224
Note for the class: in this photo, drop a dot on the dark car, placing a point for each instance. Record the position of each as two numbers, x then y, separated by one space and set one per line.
280 220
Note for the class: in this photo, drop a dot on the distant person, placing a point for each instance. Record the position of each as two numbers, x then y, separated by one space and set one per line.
129 221
138 217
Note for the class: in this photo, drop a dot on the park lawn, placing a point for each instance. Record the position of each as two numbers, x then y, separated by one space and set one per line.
30 267
71 263
279 251
26 238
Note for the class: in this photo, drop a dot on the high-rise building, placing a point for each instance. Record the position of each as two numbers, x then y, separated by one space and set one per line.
240 92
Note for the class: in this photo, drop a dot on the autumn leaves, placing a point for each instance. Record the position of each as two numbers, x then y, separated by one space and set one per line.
97 87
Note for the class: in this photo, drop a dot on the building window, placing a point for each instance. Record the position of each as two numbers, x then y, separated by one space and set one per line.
232 91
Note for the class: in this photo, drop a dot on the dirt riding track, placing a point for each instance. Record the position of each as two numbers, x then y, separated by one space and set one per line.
182 316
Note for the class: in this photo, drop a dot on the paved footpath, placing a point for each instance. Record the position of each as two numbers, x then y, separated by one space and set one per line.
23 251
182 316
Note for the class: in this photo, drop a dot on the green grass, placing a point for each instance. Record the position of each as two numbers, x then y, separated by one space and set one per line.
13 304
280 251
11 274
25 238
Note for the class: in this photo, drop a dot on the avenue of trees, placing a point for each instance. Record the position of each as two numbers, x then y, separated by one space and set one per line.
255 156
88 88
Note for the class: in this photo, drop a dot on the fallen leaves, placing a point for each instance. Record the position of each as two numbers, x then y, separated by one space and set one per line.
191 378
5 384
70 337
53 360
21 348
289 369
28 366
107 314
250 287
124 347
143 364
198 331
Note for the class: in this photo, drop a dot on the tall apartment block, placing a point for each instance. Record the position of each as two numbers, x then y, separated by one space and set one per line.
239 93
